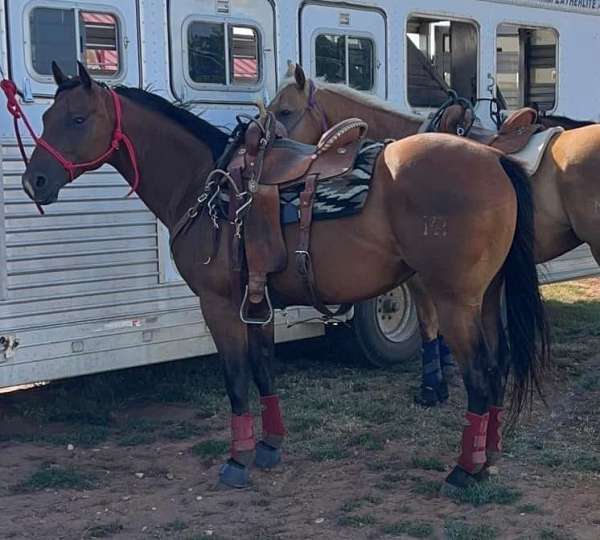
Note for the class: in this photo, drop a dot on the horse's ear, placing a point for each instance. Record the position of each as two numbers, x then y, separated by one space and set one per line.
300 77
59 76
290 69
84 76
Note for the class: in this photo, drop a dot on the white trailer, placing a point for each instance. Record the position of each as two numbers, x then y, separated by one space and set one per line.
91 286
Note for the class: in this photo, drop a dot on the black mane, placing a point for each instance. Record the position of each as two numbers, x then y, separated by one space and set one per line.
213 137
564 121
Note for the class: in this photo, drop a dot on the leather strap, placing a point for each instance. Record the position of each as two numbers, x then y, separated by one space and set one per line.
303 260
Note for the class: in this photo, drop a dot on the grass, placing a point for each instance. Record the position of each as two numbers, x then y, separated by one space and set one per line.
356 521
354 504
182 431
490 492
104 531
51 476
529 509
175 526
460 530
210 449
368 441
427 488
428 463
555 534
325 450
414 529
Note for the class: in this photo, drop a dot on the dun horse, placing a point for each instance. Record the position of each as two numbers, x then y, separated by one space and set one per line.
566 190
480 197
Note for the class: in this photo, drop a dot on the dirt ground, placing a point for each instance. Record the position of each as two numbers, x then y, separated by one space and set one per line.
135 454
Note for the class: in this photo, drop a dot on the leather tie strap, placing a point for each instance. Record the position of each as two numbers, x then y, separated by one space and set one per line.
303 259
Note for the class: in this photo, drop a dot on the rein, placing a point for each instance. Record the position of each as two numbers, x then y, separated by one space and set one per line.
14 108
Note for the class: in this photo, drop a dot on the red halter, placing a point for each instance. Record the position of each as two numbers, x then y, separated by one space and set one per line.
14 108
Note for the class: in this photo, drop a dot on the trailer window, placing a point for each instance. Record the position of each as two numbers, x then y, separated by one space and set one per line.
526 72
223 54
55 35
441 55
99 33
345 59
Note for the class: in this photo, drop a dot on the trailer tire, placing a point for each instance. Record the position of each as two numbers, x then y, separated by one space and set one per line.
387 328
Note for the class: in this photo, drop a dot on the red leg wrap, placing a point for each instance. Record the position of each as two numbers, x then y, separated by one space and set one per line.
272 420
473 456
242 434
494 433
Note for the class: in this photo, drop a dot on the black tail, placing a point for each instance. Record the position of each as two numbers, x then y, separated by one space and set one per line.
528 334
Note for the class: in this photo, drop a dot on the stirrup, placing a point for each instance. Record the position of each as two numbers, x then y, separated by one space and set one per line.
250 320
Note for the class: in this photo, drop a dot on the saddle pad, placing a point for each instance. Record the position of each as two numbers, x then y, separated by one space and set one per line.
531 156
338 197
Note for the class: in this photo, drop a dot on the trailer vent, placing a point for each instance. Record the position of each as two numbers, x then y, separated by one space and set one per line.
222 6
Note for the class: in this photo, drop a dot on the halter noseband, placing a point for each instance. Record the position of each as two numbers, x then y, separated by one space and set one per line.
72 168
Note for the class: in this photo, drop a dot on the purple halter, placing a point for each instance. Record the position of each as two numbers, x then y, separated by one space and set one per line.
313 104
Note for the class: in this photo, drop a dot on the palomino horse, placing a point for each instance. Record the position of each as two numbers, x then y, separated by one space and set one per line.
565 189
480 197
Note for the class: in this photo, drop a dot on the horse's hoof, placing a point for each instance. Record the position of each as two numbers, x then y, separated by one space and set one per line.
267 457
483 475
458 479
431 396
427 398
233 475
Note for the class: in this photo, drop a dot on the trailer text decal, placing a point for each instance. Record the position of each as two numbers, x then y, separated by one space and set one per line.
582 4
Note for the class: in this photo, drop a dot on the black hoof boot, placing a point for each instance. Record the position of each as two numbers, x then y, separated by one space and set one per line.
233 475
458 480
442 391
431 396
427 398
267 457
483 475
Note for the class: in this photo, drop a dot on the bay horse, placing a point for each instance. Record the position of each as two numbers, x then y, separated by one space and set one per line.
481 197
566 188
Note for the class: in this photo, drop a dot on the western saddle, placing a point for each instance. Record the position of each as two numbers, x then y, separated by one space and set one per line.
513 135
256 165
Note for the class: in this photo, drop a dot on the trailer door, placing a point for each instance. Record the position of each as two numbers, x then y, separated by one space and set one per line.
345 45
103 35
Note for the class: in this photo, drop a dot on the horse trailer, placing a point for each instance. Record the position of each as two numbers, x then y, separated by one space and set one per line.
90 286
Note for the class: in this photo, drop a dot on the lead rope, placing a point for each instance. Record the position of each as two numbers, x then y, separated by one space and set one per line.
10 91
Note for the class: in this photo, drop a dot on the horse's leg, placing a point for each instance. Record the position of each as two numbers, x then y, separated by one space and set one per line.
497 371
433 386
261 348
463 327
230 336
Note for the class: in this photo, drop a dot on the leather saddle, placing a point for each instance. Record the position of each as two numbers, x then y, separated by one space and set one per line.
263 164
513 135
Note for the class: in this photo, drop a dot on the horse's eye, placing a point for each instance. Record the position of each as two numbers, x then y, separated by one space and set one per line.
79 119
285 112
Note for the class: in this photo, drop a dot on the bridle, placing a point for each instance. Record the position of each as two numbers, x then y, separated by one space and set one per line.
312 106
72 168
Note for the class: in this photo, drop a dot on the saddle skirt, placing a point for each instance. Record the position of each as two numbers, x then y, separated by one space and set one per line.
531 156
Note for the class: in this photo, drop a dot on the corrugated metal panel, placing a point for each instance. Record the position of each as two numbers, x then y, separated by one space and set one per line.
84 271
575 264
